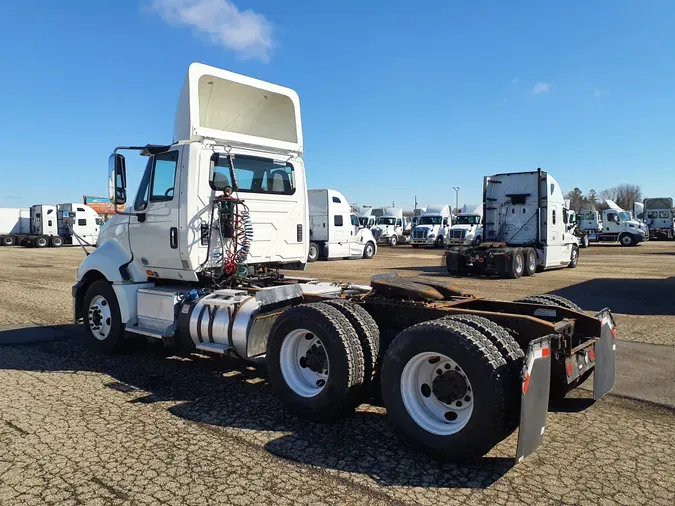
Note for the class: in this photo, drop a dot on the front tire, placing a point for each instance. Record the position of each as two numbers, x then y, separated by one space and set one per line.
369 250
443 390
393 241
102 317
313 253
315 362
439 242
477 240
574 257
585 242
627 240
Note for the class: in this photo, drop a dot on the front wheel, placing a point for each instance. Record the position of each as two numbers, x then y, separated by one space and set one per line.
477 241
313 253
102 317
369 250
393 241
626 240
585 242
574 257
439 242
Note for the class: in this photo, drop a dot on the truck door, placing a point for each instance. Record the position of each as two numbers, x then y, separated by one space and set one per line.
557 252
153 230
342 228
355 244
611 223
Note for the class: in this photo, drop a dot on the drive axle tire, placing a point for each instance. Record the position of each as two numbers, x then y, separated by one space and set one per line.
552 300
102 318
41 241
313 253
517 264
57 241
443 390
369 250
368 332
512 353
530 255
315 362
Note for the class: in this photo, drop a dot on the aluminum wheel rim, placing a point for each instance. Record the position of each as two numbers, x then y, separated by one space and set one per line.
426 410
313 252
42 242
531 262
369 249
574 255
99 317
301 376
519 263
625 240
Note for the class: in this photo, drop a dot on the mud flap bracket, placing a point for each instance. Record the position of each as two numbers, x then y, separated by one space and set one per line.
605 356
535 387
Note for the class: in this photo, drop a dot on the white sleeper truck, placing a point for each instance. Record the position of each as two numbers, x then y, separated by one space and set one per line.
433 227
659 217
14 222
466 230
194 263
526 228
334 231
390 228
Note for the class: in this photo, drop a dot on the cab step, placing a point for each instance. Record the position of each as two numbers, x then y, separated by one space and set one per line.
220 349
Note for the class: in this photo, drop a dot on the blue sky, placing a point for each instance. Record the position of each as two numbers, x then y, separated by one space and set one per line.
398 98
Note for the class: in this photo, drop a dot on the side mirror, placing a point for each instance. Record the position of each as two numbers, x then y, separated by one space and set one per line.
218 180
117 179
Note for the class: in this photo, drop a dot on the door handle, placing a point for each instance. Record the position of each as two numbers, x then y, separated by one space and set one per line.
173 237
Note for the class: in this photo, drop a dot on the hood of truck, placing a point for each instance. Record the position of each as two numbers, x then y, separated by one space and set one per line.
463 227
429 229
236 109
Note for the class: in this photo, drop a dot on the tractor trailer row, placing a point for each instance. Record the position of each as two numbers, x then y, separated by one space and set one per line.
47 225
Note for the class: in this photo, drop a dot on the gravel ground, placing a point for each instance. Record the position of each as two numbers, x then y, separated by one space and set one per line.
149 427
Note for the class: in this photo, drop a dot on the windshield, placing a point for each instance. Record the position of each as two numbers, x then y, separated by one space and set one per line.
625 215
386 220
467 220
430 220
363 221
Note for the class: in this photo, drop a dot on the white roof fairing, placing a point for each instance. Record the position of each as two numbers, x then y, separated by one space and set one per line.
222 105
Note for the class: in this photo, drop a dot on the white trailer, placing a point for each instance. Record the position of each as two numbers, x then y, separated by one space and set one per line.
433 227
334 231
195 261
526 228
659 217
390 228
14 222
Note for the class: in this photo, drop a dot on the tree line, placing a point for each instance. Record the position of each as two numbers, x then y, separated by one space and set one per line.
625 195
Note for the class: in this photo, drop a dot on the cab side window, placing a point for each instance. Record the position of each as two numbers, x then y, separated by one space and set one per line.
164 177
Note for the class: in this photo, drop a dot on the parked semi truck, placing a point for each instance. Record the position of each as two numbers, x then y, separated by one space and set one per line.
611 225
390 228
466 230
195 263
526 229
433 226
334 231
659 217
368 215
43 225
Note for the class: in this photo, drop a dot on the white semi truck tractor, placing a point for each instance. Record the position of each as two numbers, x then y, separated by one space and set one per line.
659 217
334 231
433 227
526 228
194 263
390 227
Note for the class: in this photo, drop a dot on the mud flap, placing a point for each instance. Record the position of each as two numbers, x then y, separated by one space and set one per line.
535 387
604 376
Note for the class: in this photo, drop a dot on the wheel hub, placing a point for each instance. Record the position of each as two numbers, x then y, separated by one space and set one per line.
449 387
315 359
96 317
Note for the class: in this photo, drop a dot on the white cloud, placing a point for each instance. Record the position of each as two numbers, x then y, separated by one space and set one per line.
541 87
246 33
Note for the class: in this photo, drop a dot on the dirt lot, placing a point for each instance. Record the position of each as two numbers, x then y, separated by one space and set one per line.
151 427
